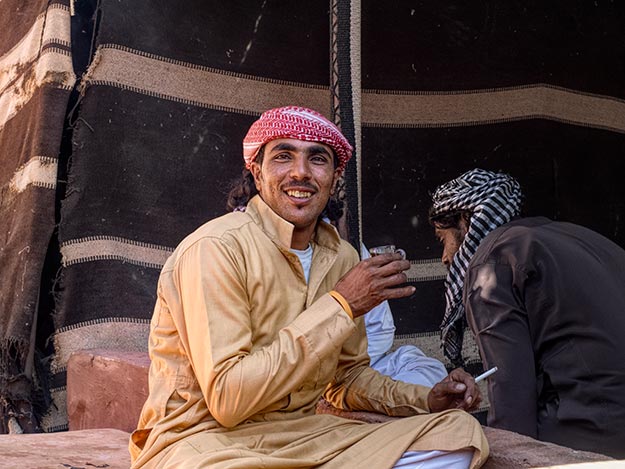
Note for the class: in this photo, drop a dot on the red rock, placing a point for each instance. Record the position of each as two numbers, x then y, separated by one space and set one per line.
106 389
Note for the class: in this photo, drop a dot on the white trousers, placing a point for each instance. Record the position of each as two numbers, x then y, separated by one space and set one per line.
435 460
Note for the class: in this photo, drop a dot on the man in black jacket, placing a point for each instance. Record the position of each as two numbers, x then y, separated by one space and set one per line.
546 303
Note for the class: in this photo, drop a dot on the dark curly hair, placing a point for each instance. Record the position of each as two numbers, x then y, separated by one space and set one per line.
449 220
244 188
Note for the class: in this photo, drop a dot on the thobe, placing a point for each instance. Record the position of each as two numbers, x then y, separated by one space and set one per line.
242 349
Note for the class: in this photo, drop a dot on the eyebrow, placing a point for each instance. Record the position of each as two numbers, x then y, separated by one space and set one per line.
311 150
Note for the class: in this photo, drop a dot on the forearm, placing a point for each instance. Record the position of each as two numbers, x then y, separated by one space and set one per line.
373 392
358 387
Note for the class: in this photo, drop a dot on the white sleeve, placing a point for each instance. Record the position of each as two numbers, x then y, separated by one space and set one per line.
379 324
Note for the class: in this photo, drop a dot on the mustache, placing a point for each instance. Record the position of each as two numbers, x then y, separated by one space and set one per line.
300 185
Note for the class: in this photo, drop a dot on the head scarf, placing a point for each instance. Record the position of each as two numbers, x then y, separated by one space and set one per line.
299 123
493 200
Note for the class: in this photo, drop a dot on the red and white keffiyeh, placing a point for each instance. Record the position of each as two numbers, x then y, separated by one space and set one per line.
299 123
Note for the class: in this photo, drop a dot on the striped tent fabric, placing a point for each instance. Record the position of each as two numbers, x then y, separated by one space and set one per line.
165 104
36 77
532 89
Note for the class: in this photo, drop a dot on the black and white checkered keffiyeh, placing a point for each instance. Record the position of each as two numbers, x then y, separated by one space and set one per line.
493 199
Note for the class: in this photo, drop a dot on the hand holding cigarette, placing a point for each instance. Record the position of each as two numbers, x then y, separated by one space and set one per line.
457 391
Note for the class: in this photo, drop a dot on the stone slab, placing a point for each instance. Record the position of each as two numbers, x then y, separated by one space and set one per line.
616 464
106 389
509 450
84 449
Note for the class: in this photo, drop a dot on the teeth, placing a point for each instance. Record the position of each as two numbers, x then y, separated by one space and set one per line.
299 194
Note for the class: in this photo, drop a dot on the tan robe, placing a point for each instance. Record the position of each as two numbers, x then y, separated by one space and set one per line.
242 349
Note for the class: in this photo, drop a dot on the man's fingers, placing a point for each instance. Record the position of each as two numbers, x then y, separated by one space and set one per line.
452 387
474 403
394 267
383 259
387 264
373 281
399 292
469 403
390 275
393 280
458 390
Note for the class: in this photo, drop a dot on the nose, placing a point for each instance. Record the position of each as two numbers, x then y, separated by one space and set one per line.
445 259
300 169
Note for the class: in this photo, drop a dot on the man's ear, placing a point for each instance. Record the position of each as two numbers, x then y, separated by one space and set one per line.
256 174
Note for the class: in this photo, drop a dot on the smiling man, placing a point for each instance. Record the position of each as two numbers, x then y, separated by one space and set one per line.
259 314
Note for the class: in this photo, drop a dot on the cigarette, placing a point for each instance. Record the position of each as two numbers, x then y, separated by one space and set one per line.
486 374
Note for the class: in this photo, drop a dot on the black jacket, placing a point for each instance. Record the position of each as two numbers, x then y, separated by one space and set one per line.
546 302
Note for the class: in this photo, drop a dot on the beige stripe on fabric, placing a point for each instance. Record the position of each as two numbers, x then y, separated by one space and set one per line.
57 30
58 25
124 334
13 62
200 86
95 248
430 344
39 171
424 270
390 109
53 68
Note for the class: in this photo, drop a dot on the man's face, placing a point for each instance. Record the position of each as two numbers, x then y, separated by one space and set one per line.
451 239
296 179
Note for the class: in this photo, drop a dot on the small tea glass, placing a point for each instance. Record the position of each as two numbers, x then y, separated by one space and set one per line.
386 249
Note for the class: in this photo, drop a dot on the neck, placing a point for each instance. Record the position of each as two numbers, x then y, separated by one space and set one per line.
301 237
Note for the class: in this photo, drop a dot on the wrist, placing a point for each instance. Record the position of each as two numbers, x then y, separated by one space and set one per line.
342 301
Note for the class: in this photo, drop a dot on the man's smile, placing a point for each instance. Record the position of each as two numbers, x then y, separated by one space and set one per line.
299 194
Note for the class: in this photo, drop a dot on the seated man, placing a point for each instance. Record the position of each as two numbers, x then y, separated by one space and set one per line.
546 302
259 314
